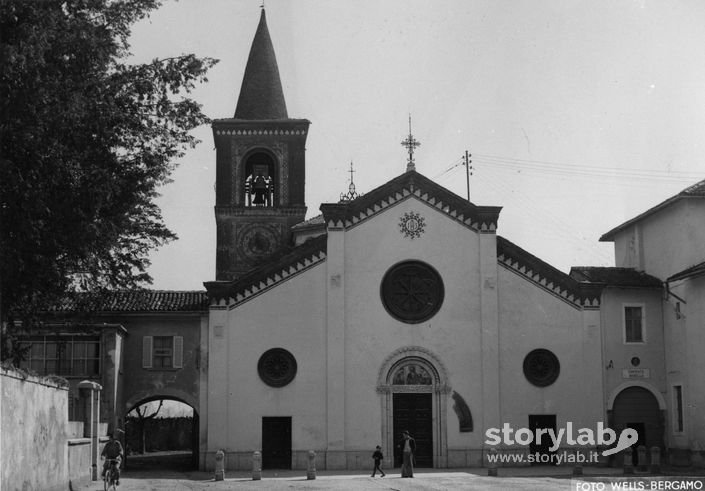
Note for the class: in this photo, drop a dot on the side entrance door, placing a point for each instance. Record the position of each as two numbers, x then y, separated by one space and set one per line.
542 421
413 413
276 443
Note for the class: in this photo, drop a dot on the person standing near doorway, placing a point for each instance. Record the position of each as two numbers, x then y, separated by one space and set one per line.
378 456
408 447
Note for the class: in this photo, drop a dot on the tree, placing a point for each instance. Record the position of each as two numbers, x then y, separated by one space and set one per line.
86 141
142 417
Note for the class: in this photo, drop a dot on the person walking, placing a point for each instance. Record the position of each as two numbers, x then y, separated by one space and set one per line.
378 456
408 448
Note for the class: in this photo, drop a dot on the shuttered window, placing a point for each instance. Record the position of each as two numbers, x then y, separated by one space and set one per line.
147 352
178 352
633 324
162 352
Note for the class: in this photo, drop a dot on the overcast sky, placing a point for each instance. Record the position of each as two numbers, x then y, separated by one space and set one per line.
579 114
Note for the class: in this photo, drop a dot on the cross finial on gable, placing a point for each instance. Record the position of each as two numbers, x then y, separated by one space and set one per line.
410 143
351 194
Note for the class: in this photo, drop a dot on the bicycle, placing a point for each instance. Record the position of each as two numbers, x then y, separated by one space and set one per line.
111 475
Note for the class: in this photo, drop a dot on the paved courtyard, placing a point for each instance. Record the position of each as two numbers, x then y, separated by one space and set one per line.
542 478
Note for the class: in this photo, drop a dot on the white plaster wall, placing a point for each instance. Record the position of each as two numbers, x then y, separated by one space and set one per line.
685 364
695 390
677 362
34 424
532 318
665 242
372 334
289 316
651 352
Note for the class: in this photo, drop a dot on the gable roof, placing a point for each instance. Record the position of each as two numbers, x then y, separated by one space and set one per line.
411 183
697 190
288 263
261 94
132 301
550 279
691 272
611 276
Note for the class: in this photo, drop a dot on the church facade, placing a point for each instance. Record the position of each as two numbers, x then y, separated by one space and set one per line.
400 310
404 310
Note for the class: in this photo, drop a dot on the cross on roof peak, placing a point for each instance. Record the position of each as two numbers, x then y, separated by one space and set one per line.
410 143
352 193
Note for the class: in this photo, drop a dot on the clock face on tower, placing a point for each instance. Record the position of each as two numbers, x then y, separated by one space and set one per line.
257 241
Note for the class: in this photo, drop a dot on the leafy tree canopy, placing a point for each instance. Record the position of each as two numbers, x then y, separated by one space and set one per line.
87 138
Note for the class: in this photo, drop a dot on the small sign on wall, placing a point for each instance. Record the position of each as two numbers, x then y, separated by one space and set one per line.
635 373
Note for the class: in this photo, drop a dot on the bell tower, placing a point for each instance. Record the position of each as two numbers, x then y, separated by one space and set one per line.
260 167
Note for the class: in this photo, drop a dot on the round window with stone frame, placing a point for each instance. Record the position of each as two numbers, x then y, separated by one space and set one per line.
541 367
277 367
412 291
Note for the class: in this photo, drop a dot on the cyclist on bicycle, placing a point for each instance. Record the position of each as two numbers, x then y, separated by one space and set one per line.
112 450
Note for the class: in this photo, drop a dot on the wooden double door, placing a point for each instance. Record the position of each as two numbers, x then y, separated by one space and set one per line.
414 413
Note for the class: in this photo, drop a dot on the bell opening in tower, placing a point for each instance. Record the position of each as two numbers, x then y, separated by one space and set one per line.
259 184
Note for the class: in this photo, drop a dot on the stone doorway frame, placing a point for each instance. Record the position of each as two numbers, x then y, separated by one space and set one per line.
439 389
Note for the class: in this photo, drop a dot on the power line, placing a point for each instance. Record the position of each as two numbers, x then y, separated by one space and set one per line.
583 170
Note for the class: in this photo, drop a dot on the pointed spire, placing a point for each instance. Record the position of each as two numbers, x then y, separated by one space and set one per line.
261 94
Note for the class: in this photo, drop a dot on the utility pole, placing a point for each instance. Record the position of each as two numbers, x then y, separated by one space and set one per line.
468 167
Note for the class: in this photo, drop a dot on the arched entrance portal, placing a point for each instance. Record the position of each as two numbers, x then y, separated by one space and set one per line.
413 390
636 407
162 433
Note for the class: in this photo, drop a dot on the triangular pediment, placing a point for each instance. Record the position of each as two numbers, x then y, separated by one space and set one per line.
408 185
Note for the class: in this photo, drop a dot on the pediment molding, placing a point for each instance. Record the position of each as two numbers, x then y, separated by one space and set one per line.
342 216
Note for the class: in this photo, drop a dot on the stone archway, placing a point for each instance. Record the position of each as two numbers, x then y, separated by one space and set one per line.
636 406
413 376
172 434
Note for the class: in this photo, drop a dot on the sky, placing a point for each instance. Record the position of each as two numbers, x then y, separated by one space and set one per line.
579 115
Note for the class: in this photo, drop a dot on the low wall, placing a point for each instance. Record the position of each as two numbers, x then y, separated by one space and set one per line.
79 461
33 424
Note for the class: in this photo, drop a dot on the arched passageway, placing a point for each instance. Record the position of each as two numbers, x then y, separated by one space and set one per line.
637 408
161 433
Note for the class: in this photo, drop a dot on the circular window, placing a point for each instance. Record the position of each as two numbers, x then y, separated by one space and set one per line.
412 291
541 367
277 367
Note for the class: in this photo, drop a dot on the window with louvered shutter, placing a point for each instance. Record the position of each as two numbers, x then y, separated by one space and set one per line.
147 352
178 352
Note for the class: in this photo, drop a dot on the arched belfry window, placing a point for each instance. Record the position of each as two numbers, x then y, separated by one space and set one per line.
260 170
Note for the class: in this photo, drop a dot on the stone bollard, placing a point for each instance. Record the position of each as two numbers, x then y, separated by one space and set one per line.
628 466
219 465
492 462
311 473
641 462
655 460
256 466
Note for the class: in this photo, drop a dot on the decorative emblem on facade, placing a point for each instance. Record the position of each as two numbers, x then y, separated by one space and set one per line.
277 367
412 225
541 367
